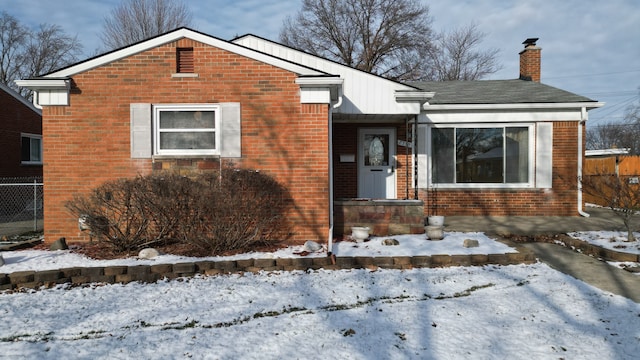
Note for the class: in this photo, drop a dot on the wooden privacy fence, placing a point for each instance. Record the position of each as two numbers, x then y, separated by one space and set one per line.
627 166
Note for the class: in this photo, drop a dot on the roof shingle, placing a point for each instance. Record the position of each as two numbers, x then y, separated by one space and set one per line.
496 92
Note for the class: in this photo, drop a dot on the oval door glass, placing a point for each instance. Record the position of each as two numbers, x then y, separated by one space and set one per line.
376 151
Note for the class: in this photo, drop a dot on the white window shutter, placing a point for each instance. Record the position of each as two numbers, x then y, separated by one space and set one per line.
230 133
140 117
544 155
423 164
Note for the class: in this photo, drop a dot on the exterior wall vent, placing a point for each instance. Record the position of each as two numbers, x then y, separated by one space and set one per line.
184 60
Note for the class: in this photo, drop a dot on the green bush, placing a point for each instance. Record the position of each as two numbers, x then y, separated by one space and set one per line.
234 210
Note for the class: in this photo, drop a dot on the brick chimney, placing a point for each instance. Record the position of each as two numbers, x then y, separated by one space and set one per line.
530 61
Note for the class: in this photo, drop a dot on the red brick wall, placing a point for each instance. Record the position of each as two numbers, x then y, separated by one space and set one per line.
16 118
560 200
88 142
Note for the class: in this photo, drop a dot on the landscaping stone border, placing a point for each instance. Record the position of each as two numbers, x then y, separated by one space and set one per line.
597 251
152 273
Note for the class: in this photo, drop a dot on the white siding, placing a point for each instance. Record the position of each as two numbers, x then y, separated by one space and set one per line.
363 93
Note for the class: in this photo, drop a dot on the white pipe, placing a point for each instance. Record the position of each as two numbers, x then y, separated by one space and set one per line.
330 240
580 154
35 100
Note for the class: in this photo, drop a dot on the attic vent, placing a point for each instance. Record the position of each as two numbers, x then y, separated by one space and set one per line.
184 60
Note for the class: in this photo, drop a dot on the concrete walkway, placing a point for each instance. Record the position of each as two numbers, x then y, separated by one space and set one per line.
586 268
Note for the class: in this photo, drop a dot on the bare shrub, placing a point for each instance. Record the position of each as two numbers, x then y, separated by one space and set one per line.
115 213
235 210
620 193
244 209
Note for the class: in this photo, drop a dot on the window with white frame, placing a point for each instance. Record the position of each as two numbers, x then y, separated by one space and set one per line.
187 129
482 155
31 150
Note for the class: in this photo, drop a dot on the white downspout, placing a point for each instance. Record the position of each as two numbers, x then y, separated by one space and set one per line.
36 101
584 117
335 106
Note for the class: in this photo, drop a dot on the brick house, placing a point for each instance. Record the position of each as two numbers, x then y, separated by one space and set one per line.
20 136
351 147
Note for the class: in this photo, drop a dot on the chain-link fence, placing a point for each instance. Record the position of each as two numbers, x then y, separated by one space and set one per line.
20 205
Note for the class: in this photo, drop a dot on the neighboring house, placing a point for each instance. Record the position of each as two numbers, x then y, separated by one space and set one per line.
20 136
333 135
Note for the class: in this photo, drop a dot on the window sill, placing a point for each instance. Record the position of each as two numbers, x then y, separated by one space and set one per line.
173 157
479 186
184 75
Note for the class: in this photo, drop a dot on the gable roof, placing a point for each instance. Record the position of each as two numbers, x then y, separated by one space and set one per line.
496 92
175 35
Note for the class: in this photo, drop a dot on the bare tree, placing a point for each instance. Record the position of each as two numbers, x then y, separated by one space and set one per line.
26 53
621 135
384 37
137 20
49 49
13 37
455 55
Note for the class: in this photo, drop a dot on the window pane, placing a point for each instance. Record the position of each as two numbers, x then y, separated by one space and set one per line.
187 140
187 120
517 155
35 149
442 146
25 153
479 155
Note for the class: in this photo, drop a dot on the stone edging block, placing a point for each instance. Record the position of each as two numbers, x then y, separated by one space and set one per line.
152 273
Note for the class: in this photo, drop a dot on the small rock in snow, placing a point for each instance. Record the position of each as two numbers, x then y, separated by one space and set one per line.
312 246
148 253
390 242
469 243
1 260
60 244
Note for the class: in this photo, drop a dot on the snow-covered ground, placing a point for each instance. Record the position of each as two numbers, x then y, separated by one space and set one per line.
409 245
515 312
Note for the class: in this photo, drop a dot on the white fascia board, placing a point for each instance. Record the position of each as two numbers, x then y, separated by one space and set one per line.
500 116
322 81
531 106
179 34
44 84
414 96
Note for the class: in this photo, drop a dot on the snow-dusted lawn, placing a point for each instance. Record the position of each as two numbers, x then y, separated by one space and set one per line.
491 312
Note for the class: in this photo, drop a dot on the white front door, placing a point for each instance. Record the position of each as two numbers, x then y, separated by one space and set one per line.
376 163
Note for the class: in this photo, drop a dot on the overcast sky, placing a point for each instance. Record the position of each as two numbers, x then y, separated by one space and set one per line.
589 47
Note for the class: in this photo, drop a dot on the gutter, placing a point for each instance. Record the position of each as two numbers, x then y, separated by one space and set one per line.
583 120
